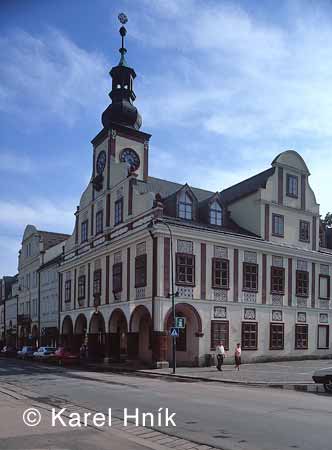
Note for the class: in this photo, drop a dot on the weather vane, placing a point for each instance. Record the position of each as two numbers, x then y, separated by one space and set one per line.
122 18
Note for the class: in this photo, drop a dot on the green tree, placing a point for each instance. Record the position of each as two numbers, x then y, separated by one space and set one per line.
327 221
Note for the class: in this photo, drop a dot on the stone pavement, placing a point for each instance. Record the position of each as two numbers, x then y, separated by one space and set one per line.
17 435
283 372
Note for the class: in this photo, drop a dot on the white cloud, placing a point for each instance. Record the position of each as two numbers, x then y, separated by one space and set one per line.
42 213
50 75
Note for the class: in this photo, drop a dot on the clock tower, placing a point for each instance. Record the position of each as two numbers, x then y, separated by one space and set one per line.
121 139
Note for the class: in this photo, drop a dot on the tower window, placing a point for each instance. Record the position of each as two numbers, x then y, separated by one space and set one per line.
118 86
215 214
84 231
185 206
118 211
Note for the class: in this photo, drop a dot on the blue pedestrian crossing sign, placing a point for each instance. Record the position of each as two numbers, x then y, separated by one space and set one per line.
174 332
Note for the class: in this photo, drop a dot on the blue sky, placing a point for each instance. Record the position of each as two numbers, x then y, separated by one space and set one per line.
223 86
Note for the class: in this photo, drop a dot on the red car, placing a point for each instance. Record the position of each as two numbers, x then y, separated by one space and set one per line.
65 356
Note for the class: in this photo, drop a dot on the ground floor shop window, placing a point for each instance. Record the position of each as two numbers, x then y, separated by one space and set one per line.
219 333
276 336
249 335
301 337
323 336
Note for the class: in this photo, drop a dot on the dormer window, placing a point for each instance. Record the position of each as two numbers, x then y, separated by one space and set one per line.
215 214
185 206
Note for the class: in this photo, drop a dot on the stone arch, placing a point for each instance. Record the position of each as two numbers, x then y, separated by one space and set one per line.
67 326
97 336
81 324
118 334
140 327
188 342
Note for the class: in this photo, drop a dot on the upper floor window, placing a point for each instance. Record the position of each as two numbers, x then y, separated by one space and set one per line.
81 287
302 283
277 280
140 271
68 291
215 214
324 286
250 277
304 231
185 269
220 273
84 231
99 221
118 211
97 282
278 225
185 206
292 186
117 277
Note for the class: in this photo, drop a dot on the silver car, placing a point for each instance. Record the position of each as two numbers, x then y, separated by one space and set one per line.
44 353
324 376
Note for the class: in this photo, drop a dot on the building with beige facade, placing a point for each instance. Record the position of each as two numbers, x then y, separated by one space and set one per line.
31 256
251 263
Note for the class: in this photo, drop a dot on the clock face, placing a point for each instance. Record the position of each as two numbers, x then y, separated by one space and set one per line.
129 156
101 162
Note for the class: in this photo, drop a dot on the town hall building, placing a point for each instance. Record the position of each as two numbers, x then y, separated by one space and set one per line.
250 263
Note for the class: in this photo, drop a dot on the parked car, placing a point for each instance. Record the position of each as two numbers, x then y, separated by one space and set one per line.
44 353
26 353
8 351
64 355
324 376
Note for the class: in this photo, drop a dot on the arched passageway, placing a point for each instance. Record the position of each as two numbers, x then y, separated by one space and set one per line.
67 332
118 335
80 332
97 337
141 334
187 344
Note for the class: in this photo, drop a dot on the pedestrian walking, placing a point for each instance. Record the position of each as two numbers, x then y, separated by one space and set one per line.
237 356
220 354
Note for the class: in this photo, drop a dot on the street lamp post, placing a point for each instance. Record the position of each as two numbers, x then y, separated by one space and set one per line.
151 227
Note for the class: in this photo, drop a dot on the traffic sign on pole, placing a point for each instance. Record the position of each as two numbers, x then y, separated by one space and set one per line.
174 332
180 322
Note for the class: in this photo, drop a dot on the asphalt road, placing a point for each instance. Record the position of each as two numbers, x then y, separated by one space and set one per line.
224 416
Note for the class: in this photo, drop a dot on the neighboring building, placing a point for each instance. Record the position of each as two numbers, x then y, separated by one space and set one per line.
6 284
247 262
34 245
49 295
11 315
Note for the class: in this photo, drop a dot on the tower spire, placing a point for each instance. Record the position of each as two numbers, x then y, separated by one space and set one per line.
122 109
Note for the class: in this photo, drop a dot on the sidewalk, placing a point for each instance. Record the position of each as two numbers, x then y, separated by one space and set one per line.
279 373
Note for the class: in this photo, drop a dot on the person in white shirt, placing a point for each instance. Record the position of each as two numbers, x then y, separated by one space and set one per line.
220 354
237 356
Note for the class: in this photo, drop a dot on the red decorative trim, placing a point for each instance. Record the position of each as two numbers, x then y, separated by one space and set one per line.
108 210
128 274
92 219
314 233
146 162
130 197
290 281
107 290
313 285
154 267
264 280
203 271
166 266
236 275
267 223
303 191
280 185
180 308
